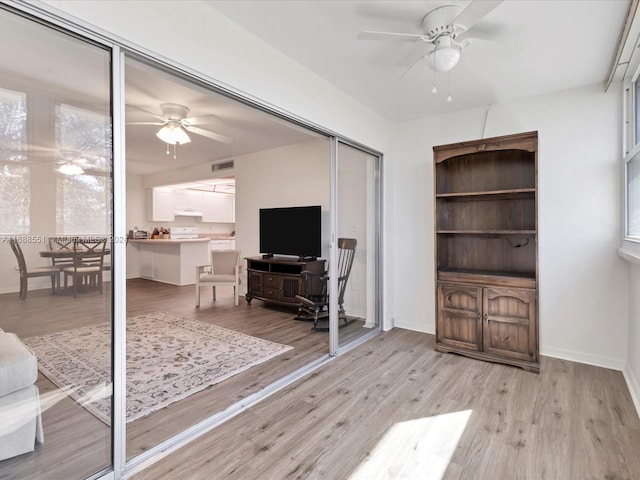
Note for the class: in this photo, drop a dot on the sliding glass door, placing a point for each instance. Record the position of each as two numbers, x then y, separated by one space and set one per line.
55 294
358 283
69 313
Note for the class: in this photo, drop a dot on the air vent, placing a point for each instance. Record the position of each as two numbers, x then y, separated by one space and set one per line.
216 167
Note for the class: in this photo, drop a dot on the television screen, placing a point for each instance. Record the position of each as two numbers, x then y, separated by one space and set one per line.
291 231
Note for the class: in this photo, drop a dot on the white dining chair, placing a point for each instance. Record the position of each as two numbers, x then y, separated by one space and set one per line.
224 270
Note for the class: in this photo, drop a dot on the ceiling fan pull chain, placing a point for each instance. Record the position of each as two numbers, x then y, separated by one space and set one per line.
449 97
167 149
434 89
174 151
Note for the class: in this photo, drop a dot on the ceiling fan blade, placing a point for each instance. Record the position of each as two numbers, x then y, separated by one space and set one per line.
420 58
140 109
401 37
200 119
146 123
475 12
209 134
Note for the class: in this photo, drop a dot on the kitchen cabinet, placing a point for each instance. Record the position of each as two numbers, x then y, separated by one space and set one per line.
171 261
160 205
163 204
222 244
218 207
145 260
185 200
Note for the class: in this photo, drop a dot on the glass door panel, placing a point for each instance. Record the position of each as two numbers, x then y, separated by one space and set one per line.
55 242
357 242
219 352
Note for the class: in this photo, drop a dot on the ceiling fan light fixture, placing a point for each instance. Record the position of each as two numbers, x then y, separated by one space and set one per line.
173 134
70 168
443 59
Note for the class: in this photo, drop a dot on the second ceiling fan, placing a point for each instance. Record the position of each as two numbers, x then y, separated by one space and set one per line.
175 125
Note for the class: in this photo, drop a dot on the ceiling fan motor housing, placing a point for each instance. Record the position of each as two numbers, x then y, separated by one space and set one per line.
174 111
439 22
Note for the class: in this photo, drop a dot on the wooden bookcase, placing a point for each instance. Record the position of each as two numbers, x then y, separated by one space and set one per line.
278 280
486 249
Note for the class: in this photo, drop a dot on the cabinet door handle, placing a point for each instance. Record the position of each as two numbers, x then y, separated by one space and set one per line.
486 316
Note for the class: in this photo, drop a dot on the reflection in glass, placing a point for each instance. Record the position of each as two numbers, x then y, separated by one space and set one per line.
633 197
54 114
357 226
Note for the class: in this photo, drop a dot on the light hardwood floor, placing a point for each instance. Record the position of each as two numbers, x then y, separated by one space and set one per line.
436 415
570 422
76 443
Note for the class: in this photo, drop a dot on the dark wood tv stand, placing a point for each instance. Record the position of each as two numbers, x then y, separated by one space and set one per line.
277 279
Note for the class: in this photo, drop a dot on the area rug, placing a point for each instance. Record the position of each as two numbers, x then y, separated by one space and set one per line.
168 358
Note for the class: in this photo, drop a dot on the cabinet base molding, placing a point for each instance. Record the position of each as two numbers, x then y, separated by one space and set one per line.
527 366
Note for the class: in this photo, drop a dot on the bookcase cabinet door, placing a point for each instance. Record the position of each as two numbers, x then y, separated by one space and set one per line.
459 316
510 323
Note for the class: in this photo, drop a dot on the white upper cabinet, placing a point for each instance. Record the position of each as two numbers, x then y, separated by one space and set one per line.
164 205
160 205
188 201
218 207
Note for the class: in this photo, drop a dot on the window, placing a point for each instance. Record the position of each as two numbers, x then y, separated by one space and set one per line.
84 138
633 196
14 169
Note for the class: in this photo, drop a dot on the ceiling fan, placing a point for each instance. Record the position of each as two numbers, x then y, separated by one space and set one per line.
175 125
443 28
70 162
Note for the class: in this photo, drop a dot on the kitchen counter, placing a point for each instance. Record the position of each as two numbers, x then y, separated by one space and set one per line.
168 240
217 236
168 261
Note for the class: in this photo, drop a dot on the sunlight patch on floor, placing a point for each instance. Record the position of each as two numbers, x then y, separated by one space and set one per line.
416 449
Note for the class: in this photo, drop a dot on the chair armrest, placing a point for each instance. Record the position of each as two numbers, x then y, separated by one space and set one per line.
201 268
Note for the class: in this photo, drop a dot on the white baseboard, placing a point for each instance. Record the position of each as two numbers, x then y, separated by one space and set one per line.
634 387
415 326
586 358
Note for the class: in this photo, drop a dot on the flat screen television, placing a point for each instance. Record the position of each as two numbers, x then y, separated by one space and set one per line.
291 231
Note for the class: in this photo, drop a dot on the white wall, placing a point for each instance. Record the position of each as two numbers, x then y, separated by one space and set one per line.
584 293
583 283
296 175
632 370
215 47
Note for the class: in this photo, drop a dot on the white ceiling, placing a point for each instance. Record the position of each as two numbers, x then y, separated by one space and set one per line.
252 130
541 46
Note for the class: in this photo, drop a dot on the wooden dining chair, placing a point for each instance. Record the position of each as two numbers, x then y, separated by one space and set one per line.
88 261
61 243
27 273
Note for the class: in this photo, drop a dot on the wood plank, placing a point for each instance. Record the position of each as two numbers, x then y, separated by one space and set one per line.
519 425
76 443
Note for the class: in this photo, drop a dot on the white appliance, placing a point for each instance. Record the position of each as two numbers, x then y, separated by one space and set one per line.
183 233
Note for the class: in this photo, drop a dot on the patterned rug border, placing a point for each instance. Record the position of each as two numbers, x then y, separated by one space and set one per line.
86 393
